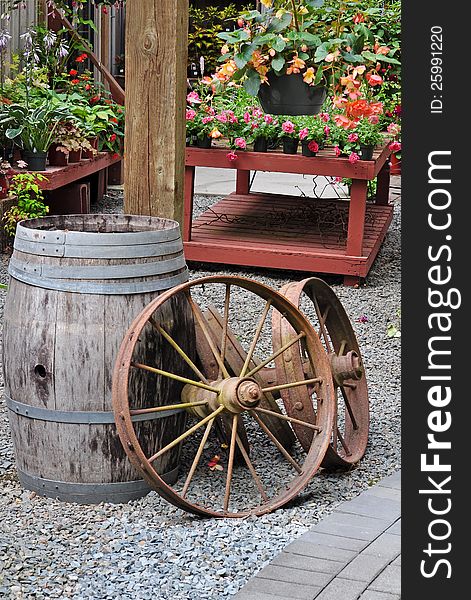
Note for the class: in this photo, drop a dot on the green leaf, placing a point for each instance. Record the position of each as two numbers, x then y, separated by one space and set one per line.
353 58
11 134
278 44
321 52
315 3
318 77
279 25
252 83
358 44
379 57
240 60
278 63
310 39
234 37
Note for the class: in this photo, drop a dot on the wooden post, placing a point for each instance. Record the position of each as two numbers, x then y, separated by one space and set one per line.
156 63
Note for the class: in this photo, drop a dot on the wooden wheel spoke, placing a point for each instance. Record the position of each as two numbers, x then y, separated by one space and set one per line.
166 407
178 349
225 325
202 324
280 446
255 339
184 435
286 418
230 463
276 354
199 384
343 345
342 441
252 470
287 386
197 457
349 408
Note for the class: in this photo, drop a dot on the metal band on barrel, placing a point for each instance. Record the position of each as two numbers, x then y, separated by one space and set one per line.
91 287
79 417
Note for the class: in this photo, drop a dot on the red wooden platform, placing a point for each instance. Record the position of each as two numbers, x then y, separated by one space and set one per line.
290 232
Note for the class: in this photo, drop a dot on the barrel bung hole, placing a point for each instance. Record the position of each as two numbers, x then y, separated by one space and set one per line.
40 371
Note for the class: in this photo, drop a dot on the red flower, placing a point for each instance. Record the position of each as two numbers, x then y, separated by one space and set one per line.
113 119
75 81
359 18
113 137
231 156
374 79
94 99
313 146
88 87
73 72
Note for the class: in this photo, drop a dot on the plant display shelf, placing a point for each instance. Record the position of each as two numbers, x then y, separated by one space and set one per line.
290 232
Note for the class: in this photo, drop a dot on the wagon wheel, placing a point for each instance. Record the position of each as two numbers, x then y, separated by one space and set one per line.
327 315
273 475
234 358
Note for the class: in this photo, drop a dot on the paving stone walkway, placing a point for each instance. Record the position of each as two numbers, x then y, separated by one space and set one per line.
353 554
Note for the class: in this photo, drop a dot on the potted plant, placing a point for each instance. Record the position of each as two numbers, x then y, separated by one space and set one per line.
369 136
30 200
263 129
312 134
72 140
33 128
290 137
288 53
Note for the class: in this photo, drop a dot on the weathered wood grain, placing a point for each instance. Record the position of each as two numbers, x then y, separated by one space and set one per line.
156 59
59 354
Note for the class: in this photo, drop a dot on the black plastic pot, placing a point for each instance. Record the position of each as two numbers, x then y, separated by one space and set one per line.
204 142
290 145
366 152
36 161
289 95
305 149
261 144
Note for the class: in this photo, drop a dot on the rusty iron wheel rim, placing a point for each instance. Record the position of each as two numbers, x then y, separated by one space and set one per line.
246 392
350 438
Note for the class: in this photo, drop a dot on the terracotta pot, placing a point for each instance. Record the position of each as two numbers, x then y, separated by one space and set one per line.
75 156
56 157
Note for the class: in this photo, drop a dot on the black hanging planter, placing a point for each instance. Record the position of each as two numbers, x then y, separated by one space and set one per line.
289 95
290 145
366 152
261 144
36 161
204 142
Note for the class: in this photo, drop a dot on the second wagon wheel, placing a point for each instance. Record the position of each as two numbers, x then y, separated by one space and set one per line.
211 483
326 313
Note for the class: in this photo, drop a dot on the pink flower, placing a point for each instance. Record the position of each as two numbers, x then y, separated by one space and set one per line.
373 119
394 129
190 114
268 119
231 156
395 146
288 127
353 137
362 319
222 118
323 116
193 98
374 79
207 120
353 158
313 146
247 117
303 133
337 151
327 130
240 143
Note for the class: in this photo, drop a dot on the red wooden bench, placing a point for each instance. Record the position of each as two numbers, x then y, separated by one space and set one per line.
290 232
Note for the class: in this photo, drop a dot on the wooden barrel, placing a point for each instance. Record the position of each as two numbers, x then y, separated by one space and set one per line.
77 282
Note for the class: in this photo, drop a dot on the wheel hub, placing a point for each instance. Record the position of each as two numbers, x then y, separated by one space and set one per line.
346 366
238 394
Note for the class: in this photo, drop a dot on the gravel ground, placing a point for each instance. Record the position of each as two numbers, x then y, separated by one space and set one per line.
150 549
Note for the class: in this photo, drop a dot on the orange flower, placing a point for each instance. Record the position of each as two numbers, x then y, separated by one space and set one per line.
296 65
383 50
309 76
374 79
345 122
215 134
